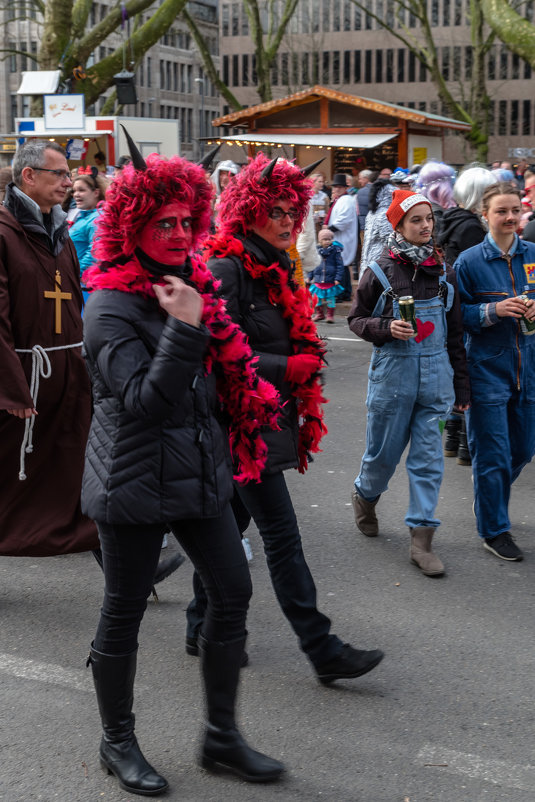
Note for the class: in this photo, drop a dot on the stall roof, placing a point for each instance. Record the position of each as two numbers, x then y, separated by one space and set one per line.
246 116
318 140
39 82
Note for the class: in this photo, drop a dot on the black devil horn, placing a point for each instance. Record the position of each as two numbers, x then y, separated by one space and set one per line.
137 159
207 160
265 175
307 170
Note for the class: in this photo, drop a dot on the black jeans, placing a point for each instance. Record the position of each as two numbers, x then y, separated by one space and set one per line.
130 556
270 506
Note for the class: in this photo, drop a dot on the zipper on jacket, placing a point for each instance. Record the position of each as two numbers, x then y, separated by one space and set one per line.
509 259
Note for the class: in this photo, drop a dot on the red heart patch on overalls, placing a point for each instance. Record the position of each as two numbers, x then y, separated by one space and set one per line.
424 330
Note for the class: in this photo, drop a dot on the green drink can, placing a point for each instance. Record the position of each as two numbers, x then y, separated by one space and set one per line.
527 326
406 310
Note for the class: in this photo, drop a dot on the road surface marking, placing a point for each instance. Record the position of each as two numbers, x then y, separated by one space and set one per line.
500 772
347 339
50 673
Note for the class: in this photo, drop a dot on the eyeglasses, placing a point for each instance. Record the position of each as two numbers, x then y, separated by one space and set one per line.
60 173
277 214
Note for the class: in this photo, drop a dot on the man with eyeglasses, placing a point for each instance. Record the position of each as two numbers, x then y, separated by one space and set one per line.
45 397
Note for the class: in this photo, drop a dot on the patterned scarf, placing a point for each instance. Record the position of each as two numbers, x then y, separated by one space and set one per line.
296 307
416 254
249 401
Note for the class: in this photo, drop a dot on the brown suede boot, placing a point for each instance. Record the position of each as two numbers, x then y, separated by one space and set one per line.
420 551
365 517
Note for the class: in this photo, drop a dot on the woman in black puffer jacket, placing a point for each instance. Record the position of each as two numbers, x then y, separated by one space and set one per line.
164 360
261 211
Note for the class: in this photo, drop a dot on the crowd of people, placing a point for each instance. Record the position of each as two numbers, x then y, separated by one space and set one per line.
201 381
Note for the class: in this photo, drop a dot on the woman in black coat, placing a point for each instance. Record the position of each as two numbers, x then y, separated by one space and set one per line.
164 359
261 211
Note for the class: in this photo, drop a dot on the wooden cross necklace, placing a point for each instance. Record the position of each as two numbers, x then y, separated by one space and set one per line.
58 296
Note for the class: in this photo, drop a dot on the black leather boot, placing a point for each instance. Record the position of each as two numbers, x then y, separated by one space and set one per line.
463 454
224 749
119 750
453 430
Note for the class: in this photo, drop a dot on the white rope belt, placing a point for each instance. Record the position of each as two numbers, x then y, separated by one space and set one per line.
40 367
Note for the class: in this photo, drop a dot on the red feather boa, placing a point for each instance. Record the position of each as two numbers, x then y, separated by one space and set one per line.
296 306
250 402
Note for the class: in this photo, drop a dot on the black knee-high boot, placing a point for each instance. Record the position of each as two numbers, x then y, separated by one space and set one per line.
223 747
120 754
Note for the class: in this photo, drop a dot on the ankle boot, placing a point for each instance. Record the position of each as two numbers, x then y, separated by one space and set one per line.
453 430
420 551
318 313
330 315
119 750
224 748
463 454
365 517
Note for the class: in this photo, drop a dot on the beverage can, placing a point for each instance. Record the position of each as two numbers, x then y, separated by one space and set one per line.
406 310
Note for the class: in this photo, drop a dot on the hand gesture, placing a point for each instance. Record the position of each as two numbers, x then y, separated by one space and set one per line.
22 413
401 330
513 307
179 300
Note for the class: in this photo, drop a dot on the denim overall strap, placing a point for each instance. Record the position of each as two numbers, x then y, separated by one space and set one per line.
380 305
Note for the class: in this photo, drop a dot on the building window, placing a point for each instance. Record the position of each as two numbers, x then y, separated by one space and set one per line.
235 71
14 111
526 117
275 71
315 17
357 76
367 19
434 13
527 71
225 20
446 63
379 66
458 12
423 72
225 71
235 19
422 105
491 64
357 20
412 67
514 117
446 13
336 67
503 63
175 77
149 71
295 69
515 67
305 73
502 118
315 68
390 15
368 66
12 58
285 75
325 66
245 70
347 15
189 125
390 66
492 117
401 66
326 20
468 63
244 23
347 66
456 66
336 15
254 74
23 57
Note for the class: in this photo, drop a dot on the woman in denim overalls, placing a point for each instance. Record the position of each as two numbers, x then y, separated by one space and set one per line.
413 380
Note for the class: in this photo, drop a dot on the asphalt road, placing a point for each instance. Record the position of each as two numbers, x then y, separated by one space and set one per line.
447 716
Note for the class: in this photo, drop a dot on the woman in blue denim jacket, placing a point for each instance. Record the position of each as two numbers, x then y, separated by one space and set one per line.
501 362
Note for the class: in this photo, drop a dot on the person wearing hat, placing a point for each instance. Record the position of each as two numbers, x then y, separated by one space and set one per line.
342 220
121 164
414 377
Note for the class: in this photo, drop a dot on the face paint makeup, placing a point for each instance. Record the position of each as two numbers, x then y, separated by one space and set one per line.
168 236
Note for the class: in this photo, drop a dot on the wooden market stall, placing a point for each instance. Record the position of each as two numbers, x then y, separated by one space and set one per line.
351 132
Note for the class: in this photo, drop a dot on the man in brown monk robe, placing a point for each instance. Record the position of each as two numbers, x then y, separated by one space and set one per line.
45 396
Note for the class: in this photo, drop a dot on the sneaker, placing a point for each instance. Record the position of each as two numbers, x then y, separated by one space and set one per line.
348 664
504 547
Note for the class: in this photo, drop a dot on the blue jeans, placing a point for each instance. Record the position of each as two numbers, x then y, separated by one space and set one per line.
501 438
130 556
270 506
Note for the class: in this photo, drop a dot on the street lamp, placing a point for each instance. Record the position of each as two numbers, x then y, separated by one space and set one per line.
201 126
